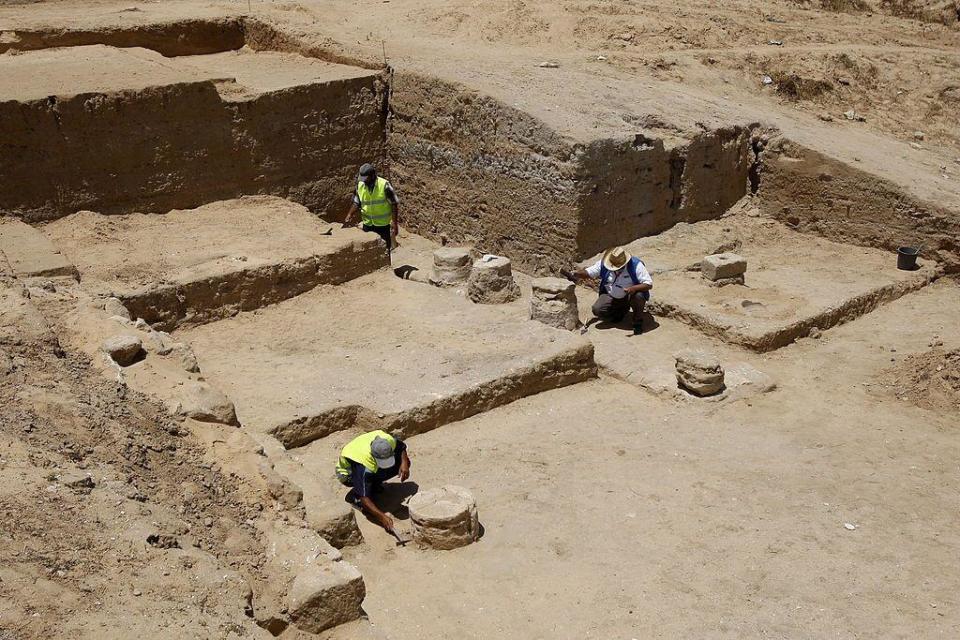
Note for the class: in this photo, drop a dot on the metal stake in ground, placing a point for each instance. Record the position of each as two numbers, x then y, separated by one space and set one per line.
400 541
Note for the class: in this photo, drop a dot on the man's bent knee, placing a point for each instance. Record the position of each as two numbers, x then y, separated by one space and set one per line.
601 309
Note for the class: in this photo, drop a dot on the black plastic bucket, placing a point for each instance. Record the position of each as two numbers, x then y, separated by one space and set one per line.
907 258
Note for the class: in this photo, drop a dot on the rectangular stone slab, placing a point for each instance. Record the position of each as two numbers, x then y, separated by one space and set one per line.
723 265
29 253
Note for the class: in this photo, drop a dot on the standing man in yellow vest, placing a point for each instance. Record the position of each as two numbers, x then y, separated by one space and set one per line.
364 463
378 205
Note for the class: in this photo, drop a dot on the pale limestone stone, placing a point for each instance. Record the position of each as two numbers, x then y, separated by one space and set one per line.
491 281
444 518
554 302
723 266
699 372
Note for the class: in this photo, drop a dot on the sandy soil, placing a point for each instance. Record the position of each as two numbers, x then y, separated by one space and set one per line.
321 352
76 560
647 510
127 252
74 70
824 508
69 71
794 282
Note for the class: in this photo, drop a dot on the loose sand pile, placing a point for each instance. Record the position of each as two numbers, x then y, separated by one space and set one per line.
930 380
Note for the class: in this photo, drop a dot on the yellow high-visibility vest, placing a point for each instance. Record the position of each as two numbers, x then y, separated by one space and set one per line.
358 450
375 209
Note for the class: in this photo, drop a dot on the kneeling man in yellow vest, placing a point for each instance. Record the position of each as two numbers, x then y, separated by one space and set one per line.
378 205
365 462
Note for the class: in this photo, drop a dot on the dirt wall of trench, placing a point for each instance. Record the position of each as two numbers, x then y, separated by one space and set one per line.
817 194
636 187
182 145
471 170
474 171
176 38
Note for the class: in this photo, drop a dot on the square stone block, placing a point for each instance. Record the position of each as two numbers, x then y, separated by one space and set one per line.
723 265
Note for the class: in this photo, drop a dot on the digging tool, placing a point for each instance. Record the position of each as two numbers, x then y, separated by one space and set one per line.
400 541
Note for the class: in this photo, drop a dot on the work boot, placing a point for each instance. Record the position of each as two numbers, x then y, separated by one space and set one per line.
352 499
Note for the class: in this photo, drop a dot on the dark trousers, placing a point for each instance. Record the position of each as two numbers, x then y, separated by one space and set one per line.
384 233
614 309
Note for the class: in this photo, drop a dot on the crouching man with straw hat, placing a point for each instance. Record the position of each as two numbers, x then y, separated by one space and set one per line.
624 284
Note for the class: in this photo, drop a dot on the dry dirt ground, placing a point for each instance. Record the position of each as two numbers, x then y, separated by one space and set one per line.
820 503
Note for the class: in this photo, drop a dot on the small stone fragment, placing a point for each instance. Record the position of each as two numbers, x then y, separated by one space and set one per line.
721 266
6 363
82 483
202 402
451 265
723 282
554 302
113 307
162 342
444 518
324 595
163 541
491 281
188 360
699 372
918 135
849 526
547 64
123 349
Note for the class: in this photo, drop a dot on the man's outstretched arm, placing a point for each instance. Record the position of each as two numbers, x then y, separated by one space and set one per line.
350 214
378 516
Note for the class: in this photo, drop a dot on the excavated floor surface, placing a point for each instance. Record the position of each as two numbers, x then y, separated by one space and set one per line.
269 70
199 264
380 351
644 508
68 71
824 508
794 282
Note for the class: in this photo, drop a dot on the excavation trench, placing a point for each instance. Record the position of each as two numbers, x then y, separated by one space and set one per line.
193 197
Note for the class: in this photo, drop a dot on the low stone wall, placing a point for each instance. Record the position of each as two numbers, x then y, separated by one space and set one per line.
172 305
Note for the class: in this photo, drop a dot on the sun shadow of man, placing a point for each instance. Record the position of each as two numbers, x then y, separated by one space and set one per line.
392 498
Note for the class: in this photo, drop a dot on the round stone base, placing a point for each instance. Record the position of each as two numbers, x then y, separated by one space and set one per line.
554 302
491 281
699 372
444 518
451 265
